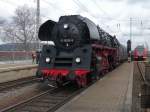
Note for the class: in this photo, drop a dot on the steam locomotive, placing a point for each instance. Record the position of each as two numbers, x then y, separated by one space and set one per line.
82 51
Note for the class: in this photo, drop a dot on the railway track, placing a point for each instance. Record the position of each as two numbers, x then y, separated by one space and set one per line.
145 89
17 83
48 101
141 68
142 85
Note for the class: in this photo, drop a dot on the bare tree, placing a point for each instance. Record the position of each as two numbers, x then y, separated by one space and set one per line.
2 23
22 27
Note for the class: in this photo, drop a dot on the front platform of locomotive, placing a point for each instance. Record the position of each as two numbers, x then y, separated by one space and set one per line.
70 57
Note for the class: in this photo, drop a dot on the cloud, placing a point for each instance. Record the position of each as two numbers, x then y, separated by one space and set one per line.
143 3
107 13
138 1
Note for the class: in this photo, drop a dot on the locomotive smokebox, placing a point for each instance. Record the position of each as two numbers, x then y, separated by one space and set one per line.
75 27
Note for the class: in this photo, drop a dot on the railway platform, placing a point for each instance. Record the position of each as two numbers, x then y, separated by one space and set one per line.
11 72
113 93
5 64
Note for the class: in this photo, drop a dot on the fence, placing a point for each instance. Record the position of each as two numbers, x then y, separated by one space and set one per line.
15 55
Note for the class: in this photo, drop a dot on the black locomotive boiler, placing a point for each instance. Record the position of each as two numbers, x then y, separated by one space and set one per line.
82 51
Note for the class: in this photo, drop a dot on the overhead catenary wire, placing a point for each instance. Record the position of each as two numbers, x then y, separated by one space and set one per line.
9 2
103 11
83 7
54 6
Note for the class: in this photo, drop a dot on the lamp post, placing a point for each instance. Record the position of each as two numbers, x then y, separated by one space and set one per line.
130 52
37 23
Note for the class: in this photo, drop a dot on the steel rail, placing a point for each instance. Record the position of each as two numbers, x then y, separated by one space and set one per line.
17 83
49 101
141 70
142 73
23 102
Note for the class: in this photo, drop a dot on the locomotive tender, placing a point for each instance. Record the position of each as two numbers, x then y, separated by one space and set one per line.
82 51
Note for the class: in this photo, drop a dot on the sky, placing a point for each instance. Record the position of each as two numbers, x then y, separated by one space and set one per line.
114 16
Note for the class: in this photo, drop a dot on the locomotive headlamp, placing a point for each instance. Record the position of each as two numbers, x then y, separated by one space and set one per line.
78 60
48 60
66 26
99 58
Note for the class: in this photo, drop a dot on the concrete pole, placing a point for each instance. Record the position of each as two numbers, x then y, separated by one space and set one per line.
131 36
37 22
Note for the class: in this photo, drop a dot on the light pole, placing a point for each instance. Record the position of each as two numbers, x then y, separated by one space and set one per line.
131 29
37 23
131 36
13 52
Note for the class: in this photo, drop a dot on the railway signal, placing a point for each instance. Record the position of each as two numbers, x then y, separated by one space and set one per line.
129 50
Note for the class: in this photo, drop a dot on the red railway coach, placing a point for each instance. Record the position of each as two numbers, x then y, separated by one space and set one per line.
140 53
